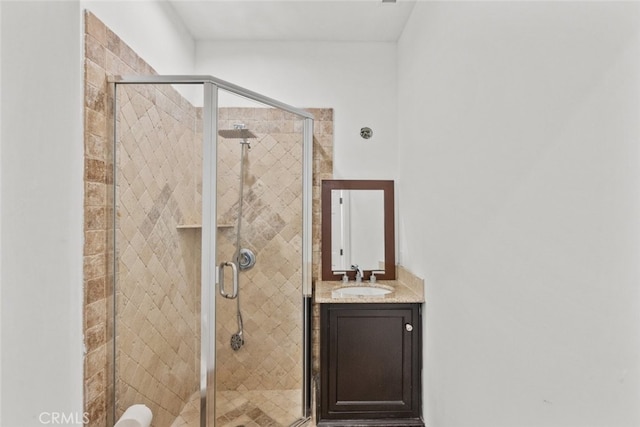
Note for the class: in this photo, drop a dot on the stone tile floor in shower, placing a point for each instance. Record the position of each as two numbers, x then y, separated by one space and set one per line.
262 408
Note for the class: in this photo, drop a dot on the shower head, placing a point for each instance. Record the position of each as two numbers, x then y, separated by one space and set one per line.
236 133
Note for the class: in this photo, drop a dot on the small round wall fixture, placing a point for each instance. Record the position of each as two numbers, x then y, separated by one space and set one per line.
366 132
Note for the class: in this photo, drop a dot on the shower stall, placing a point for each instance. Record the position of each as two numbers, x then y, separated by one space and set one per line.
211 254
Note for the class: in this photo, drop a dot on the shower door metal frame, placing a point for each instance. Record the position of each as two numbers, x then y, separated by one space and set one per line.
209 256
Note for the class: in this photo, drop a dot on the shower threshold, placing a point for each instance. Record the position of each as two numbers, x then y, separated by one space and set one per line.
268 408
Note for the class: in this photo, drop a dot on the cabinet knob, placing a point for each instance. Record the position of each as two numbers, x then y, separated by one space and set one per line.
408 327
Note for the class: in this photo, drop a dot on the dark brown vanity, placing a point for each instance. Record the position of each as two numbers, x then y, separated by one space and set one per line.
371 365
370 344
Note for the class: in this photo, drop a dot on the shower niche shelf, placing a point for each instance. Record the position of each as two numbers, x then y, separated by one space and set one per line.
189 226
199 226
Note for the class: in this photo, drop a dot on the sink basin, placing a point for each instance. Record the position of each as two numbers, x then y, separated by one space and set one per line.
360 291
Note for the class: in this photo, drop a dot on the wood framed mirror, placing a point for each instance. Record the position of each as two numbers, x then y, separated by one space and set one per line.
358 228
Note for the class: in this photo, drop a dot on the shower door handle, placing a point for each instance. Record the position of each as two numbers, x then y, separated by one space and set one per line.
234 271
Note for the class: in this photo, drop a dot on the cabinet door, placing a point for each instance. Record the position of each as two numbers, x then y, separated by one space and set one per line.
370 361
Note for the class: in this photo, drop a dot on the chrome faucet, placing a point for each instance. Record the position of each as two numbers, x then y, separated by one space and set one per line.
358 272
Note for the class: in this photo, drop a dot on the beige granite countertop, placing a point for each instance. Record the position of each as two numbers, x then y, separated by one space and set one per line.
408 288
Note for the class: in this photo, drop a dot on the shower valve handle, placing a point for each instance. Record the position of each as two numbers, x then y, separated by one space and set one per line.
234 270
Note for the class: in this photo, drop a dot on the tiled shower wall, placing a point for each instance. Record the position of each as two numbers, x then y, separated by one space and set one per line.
322 169
107 55
158 266
270 292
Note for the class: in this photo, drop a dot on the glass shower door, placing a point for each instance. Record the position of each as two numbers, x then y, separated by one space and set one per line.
259 328
158 205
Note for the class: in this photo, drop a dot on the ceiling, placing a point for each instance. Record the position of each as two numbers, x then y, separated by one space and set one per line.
294 20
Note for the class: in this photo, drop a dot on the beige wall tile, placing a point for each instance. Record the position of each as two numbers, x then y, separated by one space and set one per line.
95 242
94 290
95 266
94 50
95 314
96 361
95 218
96 29
94 170
94 74
95 194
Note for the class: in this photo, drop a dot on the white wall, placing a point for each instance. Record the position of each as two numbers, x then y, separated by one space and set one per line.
519 203
357 80
41 198
0 217
151 29
41 175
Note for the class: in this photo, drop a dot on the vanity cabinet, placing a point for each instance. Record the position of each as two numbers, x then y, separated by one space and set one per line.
370 364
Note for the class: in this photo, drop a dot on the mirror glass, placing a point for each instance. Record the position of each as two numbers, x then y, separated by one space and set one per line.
358 228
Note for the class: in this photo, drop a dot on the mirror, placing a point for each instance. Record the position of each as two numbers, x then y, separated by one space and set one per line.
358 228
